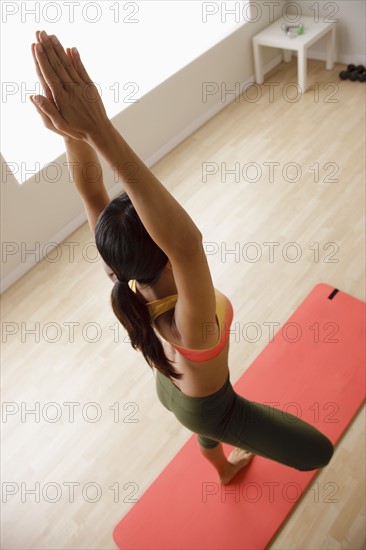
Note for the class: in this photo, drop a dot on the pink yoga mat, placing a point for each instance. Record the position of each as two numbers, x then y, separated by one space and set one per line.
313 368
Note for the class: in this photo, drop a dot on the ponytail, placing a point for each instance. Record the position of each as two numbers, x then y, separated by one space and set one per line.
127 248
134 315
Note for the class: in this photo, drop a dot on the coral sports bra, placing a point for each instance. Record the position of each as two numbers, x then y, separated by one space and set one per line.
224 316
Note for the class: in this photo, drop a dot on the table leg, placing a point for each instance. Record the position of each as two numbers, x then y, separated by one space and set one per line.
302 69
258 63
287 55
330 49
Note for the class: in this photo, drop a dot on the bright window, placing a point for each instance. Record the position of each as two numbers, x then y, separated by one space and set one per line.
128 48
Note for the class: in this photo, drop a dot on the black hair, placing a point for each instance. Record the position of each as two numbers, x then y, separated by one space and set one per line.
127 248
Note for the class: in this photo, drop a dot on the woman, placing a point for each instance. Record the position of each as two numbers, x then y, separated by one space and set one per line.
163 292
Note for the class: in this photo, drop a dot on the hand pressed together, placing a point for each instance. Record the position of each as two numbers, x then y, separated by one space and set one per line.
72 106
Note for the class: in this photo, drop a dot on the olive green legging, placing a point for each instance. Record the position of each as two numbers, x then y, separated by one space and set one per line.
225 416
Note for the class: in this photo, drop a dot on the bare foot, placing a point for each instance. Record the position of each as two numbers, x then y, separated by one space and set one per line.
237 459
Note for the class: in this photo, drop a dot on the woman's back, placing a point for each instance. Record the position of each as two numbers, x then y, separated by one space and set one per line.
205 370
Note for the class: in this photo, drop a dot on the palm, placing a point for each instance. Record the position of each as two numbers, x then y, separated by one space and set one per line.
47 120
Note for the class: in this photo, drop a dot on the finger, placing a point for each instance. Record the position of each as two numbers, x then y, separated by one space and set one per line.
46 120
64 59
58 64
49 75
49 110
69 55
80 67
44 84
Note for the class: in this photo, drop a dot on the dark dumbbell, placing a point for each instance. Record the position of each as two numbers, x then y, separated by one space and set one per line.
361 77
353 73
345 75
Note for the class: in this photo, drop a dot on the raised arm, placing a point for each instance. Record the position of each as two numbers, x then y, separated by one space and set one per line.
166 221
83 163
80 114
175 233
83 116
87 176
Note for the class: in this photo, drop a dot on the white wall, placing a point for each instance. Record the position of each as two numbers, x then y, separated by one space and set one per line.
351 17
39 212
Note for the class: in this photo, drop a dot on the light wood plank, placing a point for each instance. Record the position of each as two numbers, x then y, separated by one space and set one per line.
108 371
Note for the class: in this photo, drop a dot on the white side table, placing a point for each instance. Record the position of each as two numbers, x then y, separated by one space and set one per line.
274 37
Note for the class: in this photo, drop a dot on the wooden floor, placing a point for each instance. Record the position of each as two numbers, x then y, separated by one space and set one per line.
76 355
